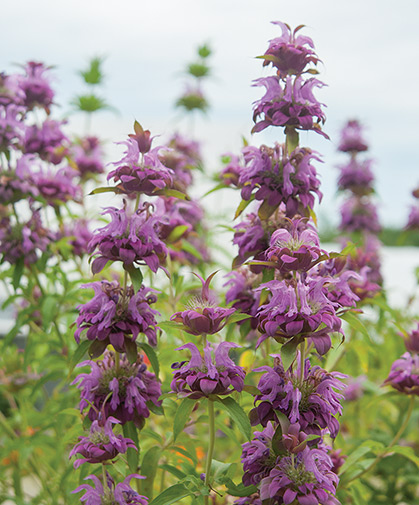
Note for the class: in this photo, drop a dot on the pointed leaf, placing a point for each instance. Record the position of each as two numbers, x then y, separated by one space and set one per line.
133 456
149 465
238 415
18 271
356 323
242 205
182 415
289 352
171 495
152 356
135 275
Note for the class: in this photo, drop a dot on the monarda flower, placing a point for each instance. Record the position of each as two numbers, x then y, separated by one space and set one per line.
117 316
411 340
276 177
230 174
57 187
306 477
356 177
111 494
257 457
291 105
413 219
295 250
122 390
301 310
102 444
203 317
88 156
207 375
146 175
11 126
79 236
404 374
359 215
289 53
132 239
251 239
312 400
253 499
45 141
351 138
17 184
36 86
23 241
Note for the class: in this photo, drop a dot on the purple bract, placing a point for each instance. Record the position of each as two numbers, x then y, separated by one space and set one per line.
404 374
116 315
351 138
206 375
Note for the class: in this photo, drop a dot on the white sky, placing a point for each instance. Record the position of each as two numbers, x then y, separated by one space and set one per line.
369 50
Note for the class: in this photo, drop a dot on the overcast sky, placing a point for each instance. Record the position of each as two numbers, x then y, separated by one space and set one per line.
369 50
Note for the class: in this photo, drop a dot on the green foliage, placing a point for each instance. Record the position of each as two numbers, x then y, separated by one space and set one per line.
93 75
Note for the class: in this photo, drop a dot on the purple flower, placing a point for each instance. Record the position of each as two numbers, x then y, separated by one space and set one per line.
35 84
306 477
203 317
132 239
116 316
25 240
301 310
351 138
252 240
121 494
356 177
146 175
295 250
258 458
88 155
241 292
291 105
404 374
354 388
230 174
11 126
57 187
17 184
182 156
123 391
47 141
79 236
10 91
311 401
253 499
413 219
276 177
206 375
289 53
359 215
101 444
411 340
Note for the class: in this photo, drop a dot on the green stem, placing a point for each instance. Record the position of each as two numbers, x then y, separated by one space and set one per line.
393 442
211 422
302 359
292 139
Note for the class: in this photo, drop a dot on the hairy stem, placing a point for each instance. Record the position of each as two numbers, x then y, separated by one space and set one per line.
211 422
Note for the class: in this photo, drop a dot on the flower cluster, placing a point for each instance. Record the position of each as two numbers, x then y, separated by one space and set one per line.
205 375
132 239
118 388
116 315
109 493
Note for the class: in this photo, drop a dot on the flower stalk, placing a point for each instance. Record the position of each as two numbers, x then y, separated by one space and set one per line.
211 423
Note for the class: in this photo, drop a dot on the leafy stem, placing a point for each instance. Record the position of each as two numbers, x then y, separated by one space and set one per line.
211 421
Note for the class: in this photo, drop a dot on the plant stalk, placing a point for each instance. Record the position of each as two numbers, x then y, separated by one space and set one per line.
211 422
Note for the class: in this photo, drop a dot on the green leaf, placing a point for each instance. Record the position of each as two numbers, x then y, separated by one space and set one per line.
133 456
174 471
18 271
105 189
80 352
204 51
89 103
238 415
171 192
355 323
177 233
266 210
220 471
135 275
189 248
97 348
289 352
151 355
182 415
219 186
239 490
359 452
171 495
131 350
93 75
242 205
186 453
236 317
405 451
168 325
49 310
149 465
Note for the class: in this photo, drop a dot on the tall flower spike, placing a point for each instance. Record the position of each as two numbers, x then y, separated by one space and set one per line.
206 375
204 317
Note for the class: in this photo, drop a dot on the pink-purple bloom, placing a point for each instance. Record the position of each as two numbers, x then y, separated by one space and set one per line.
291 104
102 444
313 401
208 374
352 140
359 215
36 86
110 494
47 140
117 316
411 340
301 310
413 219
290 53
404 374
88 156
357 177
132 239
274 176
295 250
125 392
140 173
